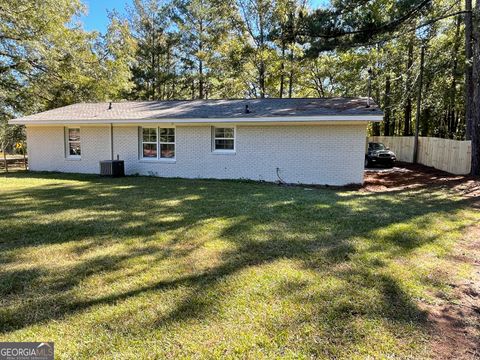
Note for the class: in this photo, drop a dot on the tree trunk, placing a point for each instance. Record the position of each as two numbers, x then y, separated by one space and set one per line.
167 77
376 129
407 117
200 80
386 103
200 65
419 105
469 90
320 90
173 85
394 128
453 86
261 78
282 72
152 65
475 111
408 105
290 79
376 125
261 67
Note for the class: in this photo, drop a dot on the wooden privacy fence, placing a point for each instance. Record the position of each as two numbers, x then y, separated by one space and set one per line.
453 156
13 162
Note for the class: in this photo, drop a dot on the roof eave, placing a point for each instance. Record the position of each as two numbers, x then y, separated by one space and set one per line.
342 117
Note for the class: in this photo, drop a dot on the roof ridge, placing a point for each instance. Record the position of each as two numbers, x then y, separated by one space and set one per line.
123 101
134 110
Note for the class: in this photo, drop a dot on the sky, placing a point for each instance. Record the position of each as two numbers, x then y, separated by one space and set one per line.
97 19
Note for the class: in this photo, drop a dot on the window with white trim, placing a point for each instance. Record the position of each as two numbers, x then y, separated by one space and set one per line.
224 139
167 143
157 143
149 143
74 148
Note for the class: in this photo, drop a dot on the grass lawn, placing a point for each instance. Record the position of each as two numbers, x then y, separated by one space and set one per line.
144 267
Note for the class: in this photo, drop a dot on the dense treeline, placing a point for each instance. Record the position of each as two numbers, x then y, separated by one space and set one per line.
202 49
196 49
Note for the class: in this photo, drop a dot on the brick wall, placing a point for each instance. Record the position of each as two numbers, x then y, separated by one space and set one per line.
309 154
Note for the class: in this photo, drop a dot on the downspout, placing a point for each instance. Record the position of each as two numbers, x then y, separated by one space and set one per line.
111 141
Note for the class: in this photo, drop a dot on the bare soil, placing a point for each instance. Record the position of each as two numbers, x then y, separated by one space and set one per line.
405 176
455 321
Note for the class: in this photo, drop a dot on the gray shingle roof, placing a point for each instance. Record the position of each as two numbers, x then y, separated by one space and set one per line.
137 111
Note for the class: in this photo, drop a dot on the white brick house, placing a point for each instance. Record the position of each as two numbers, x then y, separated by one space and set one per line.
309 141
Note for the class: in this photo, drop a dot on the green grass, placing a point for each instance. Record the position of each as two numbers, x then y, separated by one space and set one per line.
144 267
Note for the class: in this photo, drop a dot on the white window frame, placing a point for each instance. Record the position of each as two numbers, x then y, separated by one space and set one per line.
142 142
158 158
67 143
224 151
160 142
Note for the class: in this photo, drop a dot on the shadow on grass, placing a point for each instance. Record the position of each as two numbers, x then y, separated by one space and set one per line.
262 224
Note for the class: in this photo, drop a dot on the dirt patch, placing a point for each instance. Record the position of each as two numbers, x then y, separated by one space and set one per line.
455 319
405 176
455 322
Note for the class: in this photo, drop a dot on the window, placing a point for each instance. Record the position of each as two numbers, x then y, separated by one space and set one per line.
73 143
224 139
153 139
149 143
167 143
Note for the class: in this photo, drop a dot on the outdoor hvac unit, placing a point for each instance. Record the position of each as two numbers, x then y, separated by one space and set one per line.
114 168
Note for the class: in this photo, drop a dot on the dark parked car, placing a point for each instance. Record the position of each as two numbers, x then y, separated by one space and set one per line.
379 154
